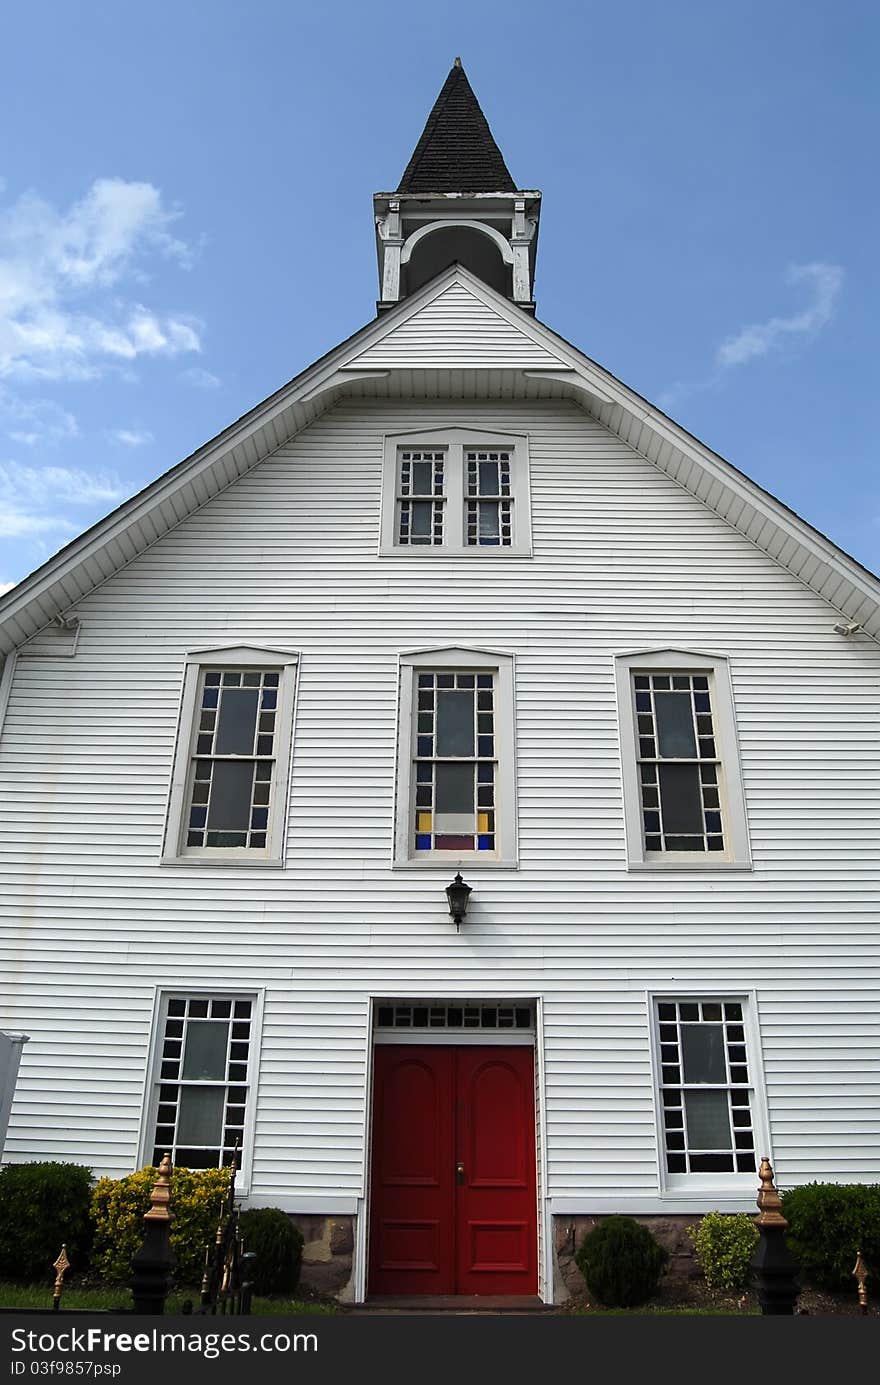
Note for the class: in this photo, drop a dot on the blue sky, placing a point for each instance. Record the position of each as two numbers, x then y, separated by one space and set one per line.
186 222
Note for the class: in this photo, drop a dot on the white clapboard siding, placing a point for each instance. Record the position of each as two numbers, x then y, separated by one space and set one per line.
459 330
623 559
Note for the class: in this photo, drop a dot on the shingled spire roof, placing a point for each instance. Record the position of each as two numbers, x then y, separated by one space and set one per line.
456 152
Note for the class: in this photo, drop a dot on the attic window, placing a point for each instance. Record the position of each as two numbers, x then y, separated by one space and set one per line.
456 493
489 504
420 498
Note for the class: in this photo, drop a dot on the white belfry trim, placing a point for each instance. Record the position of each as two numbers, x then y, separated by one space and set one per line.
484 230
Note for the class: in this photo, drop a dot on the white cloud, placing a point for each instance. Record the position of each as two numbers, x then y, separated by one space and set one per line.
16 523
29 485
58 318
32 499
131 437
202 379
824 281
6 586
32 421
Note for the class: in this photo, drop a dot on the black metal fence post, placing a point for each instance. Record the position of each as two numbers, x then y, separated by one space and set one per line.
773 1265
153 1263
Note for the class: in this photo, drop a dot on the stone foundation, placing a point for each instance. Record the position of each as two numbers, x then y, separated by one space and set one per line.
671 1232
328 1252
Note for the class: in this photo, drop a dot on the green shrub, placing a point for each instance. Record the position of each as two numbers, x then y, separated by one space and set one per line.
118 1207
724 1248
621 1262
277 1245
41 1206
827 1224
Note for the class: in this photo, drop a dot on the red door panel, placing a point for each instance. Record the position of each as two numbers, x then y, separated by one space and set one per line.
496 1197
413 1190
453 1202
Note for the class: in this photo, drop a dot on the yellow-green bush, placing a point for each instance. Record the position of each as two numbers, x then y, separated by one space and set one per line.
724 1245
118 1207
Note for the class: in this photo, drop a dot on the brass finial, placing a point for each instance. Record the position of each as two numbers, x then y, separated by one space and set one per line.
456 62
160 1197
61 1266
206 1274
860 1274
768 1200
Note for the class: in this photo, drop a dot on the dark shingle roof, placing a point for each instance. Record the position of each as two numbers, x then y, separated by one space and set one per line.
456 152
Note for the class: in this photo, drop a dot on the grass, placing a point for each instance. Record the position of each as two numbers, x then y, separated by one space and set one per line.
684 1312
40 1296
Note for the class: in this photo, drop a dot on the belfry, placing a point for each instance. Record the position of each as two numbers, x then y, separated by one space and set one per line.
457 203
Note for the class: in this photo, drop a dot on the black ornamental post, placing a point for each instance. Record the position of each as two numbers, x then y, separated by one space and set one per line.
153 1263
773 1265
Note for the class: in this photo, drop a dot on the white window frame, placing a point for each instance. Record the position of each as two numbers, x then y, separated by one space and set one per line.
737 850
285 663
153 1079
699 1186
465 660
454 442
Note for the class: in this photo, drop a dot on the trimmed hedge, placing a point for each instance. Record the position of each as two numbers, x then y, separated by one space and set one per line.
724 1246
277 1245
118 1207
827 1224
621 1262
41 1206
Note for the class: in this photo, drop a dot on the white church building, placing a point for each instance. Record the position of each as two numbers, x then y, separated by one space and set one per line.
455 607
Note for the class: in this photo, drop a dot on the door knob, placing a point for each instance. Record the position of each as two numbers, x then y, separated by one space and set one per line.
459 1173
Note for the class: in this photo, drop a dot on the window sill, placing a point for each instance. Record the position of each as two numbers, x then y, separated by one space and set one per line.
687 863
240 863
455 862
429 551
736 1185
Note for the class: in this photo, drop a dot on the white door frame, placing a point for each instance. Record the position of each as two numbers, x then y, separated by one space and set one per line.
506 1038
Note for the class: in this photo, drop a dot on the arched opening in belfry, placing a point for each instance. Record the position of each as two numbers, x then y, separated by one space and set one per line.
457 245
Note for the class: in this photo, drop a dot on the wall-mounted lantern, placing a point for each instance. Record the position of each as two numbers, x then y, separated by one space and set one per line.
458 894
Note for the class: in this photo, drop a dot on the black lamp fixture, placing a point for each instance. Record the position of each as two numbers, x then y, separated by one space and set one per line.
458 894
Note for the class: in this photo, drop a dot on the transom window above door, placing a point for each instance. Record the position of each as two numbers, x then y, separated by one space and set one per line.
455 493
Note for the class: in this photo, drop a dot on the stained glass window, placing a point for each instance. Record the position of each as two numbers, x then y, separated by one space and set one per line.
202 1080
488 498
455 762
704 1081
420 495
231 774
679 766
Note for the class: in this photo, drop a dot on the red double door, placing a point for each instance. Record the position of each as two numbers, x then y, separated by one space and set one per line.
453 1206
